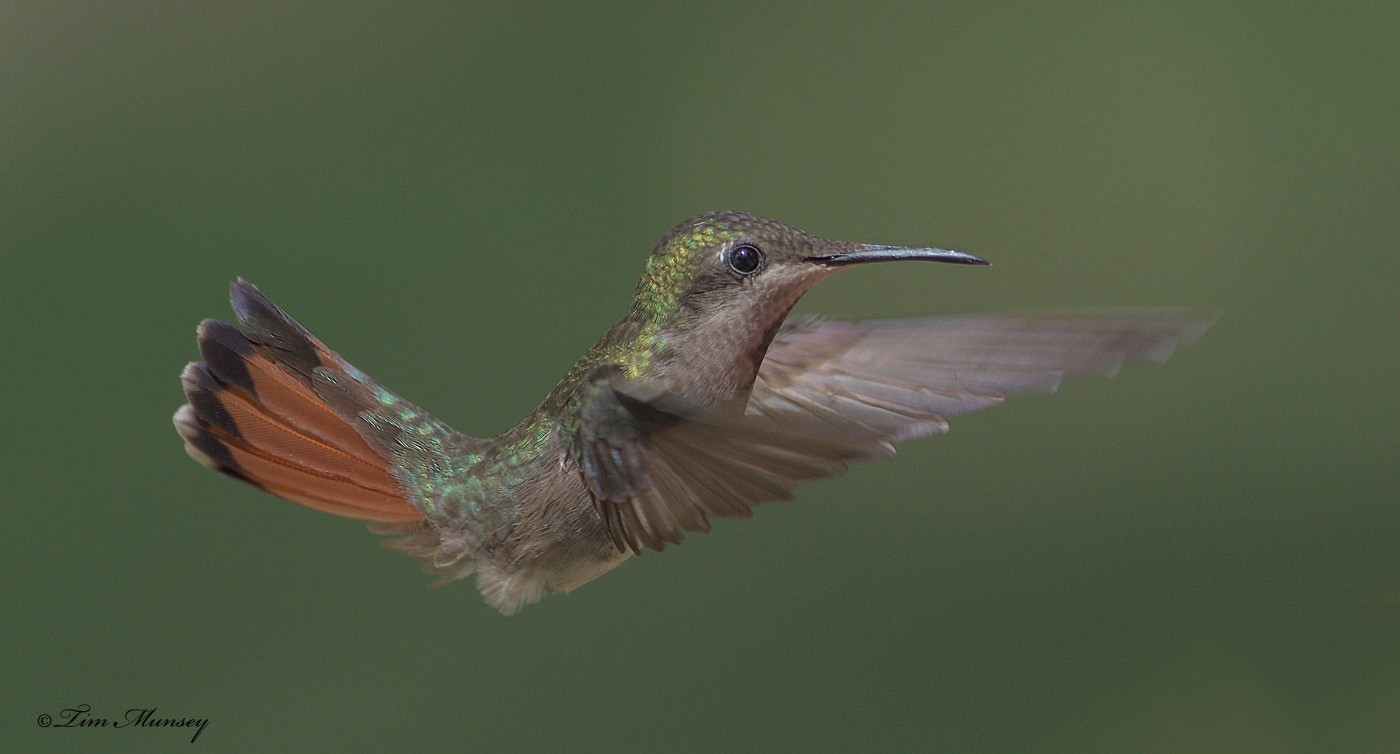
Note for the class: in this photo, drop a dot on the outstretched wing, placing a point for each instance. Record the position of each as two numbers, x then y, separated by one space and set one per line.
654 475
901 378
829 393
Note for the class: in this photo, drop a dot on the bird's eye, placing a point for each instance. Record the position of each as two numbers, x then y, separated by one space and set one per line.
745 259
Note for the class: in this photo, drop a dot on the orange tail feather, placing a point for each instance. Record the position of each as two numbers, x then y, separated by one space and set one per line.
254 415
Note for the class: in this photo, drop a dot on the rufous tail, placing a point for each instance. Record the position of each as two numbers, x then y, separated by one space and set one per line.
254 414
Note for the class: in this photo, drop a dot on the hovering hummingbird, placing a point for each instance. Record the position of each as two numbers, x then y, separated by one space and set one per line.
703 401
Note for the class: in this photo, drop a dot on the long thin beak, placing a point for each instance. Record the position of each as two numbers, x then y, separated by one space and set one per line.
872 253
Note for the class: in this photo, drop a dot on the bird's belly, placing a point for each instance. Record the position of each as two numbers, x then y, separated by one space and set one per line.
557 545
585 571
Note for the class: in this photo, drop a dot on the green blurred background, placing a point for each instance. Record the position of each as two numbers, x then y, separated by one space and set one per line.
1194 557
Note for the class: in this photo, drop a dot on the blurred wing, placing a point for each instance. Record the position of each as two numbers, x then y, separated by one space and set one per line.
829 393
898 379
654 475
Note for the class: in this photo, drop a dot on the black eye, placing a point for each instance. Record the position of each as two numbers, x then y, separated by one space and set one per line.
745 259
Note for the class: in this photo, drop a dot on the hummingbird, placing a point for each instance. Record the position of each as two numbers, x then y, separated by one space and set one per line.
703 401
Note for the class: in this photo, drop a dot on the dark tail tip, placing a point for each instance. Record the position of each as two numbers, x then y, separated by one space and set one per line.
268 325
204 447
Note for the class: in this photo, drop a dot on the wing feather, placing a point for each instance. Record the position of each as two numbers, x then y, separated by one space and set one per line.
829 393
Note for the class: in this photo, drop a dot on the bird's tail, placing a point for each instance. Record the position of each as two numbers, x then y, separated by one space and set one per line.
259 410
